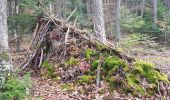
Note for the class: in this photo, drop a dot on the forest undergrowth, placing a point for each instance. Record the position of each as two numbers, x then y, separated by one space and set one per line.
76 77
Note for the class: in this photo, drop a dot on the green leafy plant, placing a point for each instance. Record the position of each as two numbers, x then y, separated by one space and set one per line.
80 13
138 39
15 88
23 22
48 69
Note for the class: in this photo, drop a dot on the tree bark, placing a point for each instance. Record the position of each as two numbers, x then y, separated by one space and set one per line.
98 17
142 7
117 22
5 65
154 3
167 2
16 31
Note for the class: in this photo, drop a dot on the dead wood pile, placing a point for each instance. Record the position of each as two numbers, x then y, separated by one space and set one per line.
57 37
56 40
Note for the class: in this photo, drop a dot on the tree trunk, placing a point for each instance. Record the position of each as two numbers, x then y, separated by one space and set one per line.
60 7
117 22
98 17
5 65
154 3
89 7
18 40
142 7
167 2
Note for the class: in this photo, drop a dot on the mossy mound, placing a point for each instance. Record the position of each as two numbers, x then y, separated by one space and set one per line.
139 78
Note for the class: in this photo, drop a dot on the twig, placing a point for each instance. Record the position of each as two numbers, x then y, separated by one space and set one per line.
98 73
66 36
41 58
24 65
29 60
14 39
68 18
34 35
66 40
75 21
51 17
159 91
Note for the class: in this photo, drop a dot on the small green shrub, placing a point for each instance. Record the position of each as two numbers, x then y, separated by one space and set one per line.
15 88
48 69
24 23
137 39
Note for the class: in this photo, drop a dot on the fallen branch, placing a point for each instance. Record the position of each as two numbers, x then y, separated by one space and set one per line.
14 39
71 14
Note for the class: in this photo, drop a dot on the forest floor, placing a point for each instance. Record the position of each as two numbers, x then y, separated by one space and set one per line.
47 89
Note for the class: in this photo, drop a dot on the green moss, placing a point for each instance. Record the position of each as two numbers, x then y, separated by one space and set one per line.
143 67
146 69
112 62
65 86
88 54
150 92
112 83
95 64
100 46
132 80
123 77
71 62
140 90
86 79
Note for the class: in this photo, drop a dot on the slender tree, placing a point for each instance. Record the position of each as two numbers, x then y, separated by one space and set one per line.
5 65
98 17
167 2
142 7
16 31
117 22
154 4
